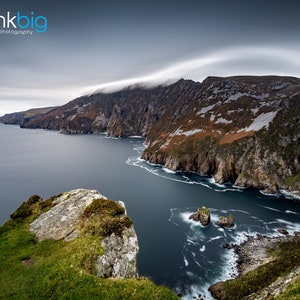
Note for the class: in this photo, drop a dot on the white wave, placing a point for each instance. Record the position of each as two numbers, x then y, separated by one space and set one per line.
289 195
241 211
135 137
214 218
291 212
270 208
215 238
168 170
269 194
239 187
190 241
186 263
185 217
213 181
202 249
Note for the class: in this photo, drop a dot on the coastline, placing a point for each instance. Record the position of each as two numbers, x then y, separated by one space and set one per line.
253 253
256 252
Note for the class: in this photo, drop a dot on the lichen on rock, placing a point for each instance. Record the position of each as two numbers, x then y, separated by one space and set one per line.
62 219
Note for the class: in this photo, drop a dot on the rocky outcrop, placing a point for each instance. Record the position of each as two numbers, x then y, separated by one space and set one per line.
82 211
202 215
242 130
61 221
254 253
226 222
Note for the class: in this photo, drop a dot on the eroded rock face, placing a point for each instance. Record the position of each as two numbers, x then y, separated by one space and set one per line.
62 219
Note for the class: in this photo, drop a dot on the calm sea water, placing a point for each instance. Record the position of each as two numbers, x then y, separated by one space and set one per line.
174 251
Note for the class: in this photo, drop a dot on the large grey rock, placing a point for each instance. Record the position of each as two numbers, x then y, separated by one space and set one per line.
61 220
119 259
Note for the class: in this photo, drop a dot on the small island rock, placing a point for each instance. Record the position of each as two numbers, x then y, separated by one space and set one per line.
202 215
226 222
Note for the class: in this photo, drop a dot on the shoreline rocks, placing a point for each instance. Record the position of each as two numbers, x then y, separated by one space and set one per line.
252 254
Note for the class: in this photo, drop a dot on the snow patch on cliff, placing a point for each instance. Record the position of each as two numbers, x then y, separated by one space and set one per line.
179 131
261 121
223 121
205 109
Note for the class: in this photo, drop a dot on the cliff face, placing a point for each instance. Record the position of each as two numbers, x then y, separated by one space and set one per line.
132 111
19 118
243 129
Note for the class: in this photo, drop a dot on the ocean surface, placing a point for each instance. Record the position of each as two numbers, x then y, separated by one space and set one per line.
174 251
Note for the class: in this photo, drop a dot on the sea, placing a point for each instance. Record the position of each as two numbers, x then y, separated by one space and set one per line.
174 250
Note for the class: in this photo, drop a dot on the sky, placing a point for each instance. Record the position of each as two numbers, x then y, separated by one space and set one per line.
87 46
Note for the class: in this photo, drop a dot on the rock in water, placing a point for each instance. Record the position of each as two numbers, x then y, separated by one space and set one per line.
225 222
107 220
202 215
282 231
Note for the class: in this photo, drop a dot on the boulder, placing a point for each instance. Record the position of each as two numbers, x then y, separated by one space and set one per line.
202 215
282 231
225 222
62 219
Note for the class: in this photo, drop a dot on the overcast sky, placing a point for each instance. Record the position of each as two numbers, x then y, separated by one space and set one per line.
89 44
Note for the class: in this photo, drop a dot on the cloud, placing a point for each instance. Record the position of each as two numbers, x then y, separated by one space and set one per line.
244 60
238 60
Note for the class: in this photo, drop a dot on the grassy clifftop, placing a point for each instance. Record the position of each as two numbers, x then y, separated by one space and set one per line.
58 269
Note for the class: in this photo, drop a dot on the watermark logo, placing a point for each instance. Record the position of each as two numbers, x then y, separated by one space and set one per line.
20 23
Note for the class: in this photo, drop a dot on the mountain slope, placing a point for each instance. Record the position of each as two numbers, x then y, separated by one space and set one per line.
132 111
242 129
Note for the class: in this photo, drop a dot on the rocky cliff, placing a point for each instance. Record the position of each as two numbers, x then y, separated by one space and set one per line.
73 212
242 130
76 245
